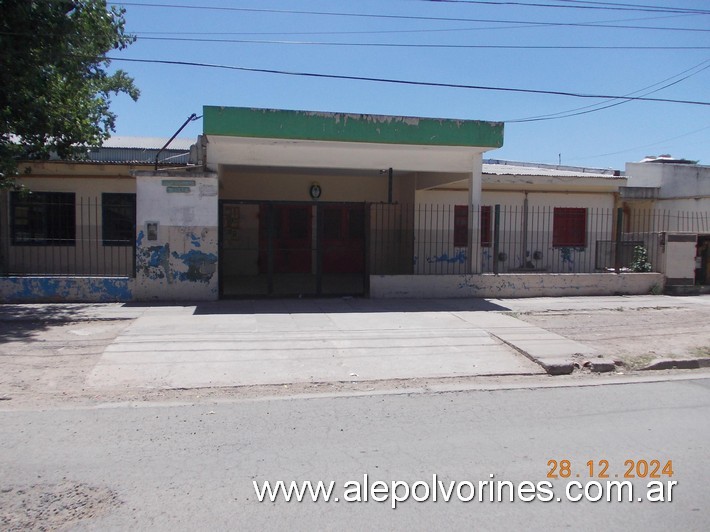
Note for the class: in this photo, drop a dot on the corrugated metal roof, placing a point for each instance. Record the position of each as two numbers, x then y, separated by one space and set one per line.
148 143
498 167
142 150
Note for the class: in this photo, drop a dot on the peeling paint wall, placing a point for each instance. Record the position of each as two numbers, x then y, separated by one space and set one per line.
177 258
65 289
513 285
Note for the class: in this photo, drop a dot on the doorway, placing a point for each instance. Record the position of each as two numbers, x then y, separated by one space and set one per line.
292 249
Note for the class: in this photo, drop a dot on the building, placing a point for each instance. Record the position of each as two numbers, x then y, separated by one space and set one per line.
677 192
293 203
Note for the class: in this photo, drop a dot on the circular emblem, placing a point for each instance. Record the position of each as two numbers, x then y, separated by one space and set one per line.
315 191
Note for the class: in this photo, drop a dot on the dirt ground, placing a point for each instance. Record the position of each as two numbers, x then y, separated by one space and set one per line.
45 357
635 336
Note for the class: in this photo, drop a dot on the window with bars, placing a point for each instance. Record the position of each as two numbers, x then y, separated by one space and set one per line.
461 226
118 219
43 218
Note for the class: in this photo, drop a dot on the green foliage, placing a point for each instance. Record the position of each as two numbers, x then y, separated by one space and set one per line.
640 261
55 91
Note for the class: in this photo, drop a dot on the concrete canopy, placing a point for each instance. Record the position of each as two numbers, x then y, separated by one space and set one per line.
299 139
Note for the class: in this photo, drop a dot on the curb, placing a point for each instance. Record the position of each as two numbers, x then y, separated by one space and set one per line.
670 363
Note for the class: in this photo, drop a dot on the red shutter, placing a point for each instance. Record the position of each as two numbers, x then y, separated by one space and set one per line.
569 228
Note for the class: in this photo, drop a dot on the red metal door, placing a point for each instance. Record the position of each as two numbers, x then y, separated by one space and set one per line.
343 238
287 231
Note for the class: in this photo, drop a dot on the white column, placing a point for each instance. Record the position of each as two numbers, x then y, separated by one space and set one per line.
474 211
176 236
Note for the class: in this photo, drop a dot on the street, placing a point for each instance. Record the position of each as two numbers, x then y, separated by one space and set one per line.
191 464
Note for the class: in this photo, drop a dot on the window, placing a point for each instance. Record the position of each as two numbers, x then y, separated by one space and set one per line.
118 219
486 227
43 218
461 226
569 228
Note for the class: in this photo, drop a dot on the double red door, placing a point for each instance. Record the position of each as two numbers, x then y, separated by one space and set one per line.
295 236
286 233
343 238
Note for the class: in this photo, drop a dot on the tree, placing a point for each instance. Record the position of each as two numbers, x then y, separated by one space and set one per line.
55 91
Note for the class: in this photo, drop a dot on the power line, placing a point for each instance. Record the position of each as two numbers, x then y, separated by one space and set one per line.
422 45
606 6
375 32
404 82
600 106
611 4
411 17
642 146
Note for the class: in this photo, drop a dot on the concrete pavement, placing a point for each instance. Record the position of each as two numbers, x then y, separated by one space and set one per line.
236 343
252 343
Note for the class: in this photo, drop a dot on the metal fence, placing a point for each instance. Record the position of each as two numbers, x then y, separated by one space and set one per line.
59 234
450 239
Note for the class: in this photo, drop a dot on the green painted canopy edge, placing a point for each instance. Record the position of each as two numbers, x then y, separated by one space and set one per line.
343 127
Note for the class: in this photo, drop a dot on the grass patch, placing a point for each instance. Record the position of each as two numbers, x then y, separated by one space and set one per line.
702 351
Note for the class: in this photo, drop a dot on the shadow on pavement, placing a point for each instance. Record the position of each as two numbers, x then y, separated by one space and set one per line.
344 305
18 322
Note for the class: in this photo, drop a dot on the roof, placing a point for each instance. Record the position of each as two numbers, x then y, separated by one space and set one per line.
666 159
148 142
513 168
354 128
142 150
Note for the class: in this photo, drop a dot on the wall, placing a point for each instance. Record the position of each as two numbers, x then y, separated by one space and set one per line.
65 289
513 285
181 263
273 185
679 256
682 187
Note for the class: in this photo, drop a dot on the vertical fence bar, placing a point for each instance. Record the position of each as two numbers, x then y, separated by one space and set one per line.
496 237
617 246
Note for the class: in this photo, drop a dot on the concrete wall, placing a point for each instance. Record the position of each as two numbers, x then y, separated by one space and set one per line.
513 285
681 187
679 259
271 184
65 289
180 263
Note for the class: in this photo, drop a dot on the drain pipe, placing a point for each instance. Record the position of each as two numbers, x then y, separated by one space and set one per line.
190 118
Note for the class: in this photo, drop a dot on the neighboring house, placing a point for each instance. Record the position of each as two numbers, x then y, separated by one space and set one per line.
293 203
77 217
677 191
554 218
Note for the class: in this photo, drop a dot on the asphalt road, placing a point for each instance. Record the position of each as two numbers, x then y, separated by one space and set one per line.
165 466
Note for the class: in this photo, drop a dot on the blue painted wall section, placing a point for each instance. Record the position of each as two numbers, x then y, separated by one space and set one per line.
200 266
156 262
66 289
458 258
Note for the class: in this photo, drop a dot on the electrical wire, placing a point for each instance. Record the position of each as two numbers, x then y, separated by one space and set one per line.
421 45
410 17
402 81
642 146
607 6
596 107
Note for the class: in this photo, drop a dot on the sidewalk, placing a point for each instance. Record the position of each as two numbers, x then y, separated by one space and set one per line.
279 342
115 348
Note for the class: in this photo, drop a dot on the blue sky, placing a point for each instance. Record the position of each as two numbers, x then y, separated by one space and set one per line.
451 42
